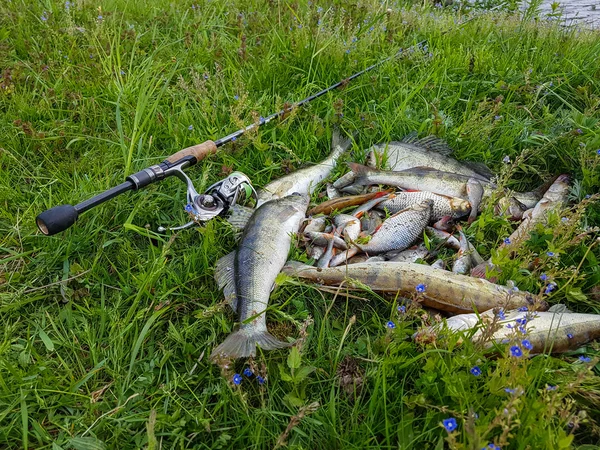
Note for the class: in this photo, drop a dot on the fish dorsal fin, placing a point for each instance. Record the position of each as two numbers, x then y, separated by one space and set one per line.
240 215
435 144
225 278
480 168
410 138
339 143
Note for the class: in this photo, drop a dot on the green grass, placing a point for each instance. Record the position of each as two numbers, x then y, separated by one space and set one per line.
107 328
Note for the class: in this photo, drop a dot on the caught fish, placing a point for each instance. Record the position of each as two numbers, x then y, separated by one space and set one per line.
410 255
323 239
432 180
373 259
324 260
439 264
304 181
475 194
511 208
349 225
443 290
343 181
316 224
547 332
465 259
446 223
427 152
555 197
442 205
248 274
370 222
398 232
315 252
337 204
332 192
448 240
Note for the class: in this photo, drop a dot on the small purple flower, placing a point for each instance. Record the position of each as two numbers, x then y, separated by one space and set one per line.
475 371
236 97
402 309
585 359
44 16
420 288
516 351
579 131
237 379
450 424
598 152
100 17
587 196
501 315
506 160
391 325
347 51
507 241
522 329
189 207
550 288
248 372
521 321
550 254
191 127
68 5
551 387
523 309
261 120
525 343
497 117
122 72
569 336
260 379
564 219
233 139
319 10
206 76
354 39
543 277
509 390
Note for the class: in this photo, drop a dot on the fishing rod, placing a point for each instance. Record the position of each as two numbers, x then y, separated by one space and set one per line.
220 196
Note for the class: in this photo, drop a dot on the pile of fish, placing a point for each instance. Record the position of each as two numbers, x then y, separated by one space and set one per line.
369 236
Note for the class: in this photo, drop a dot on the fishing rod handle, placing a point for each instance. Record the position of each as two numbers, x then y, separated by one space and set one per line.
199 151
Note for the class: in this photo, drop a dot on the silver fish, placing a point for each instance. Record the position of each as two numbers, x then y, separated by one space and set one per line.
247 275
323 239
358 212
349 225
316 224
442 205
427 152
323 261
304 181
410 255
449 240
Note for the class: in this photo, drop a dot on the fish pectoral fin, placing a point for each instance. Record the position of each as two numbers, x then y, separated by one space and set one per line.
240 215
225 278
242 344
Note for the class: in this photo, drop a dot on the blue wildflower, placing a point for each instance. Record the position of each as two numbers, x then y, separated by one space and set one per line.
191 127
543 277
420 288
550 288
598 152
402 309
585 359
506 159
509 390
569 336
391 325
67 5
237 379
521 321
44 16
579 131
261 120
450 424
347 51
587 196
523 309
475 371
516 351
206 76
522 329
248 372
564 219
189 207
100 17
551 388
550 254
354 39
507 241
236 97
501 315
525 343
233 139
319 10
260 379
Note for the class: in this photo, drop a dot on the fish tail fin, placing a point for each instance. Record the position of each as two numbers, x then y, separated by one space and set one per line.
340 143
359 170
241 344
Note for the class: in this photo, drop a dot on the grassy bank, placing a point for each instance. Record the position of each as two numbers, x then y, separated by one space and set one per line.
107 328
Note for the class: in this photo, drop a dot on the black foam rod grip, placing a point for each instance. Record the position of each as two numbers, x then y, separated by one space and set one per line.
57 219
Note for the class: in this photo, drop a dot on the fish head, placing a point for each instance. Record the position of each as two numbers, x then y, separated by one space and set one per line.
459 206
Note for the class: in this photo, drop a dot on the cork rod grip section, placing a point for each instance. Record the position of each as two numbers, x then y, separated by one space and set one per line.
199 151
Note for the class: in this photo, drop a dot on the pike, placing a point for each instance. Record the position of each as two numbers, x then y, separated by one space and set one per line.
61 217
444 290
